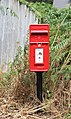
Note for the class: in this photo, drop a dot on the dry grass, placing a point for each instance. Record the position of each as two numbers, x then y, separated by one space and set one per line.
16 105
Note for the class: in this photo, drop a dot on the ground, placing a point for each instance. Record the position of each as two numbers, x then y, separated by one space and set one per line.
12 108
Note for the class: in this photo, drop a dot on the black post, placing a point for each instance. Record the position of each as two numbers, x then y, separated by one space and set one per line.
39 85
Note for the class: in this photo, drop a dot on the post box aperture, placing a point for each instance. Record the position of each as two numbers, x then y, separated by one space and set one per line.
39 47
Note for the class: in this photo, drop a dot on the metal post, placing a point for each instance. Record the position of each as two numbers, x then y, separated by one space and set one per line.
39 85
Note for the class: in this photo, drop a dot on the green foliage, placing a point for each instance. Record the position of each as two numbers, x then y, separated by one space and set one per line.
68 116
60 40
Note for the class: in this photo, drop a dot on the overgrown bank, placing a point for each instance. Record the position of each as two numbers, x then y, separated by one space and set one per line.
56 82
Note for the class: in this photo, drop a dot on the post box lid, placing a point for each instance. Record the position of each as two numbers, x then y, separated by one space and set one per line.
39 26
39 33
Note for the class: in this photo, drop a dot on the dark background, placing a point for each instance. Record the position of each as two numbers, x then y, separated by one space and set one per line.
48 1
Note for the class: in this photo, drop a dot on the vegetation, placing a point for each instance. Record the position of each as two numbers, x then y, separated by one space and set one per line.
57 81
47 1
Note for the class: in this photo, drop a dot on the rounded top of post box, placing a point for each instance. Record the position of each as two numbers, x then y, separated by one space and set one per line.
39 33
42 28
39 26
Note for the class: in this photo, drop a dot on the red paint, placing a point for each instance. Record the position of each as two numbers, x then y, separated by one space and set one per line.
39 38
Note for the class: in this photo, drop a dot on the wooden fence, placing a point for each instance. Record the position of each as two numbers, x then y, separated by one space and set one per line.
15 19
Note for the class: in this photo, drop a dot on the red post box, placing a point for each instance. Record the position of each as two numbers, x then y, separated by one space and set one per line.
39 47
